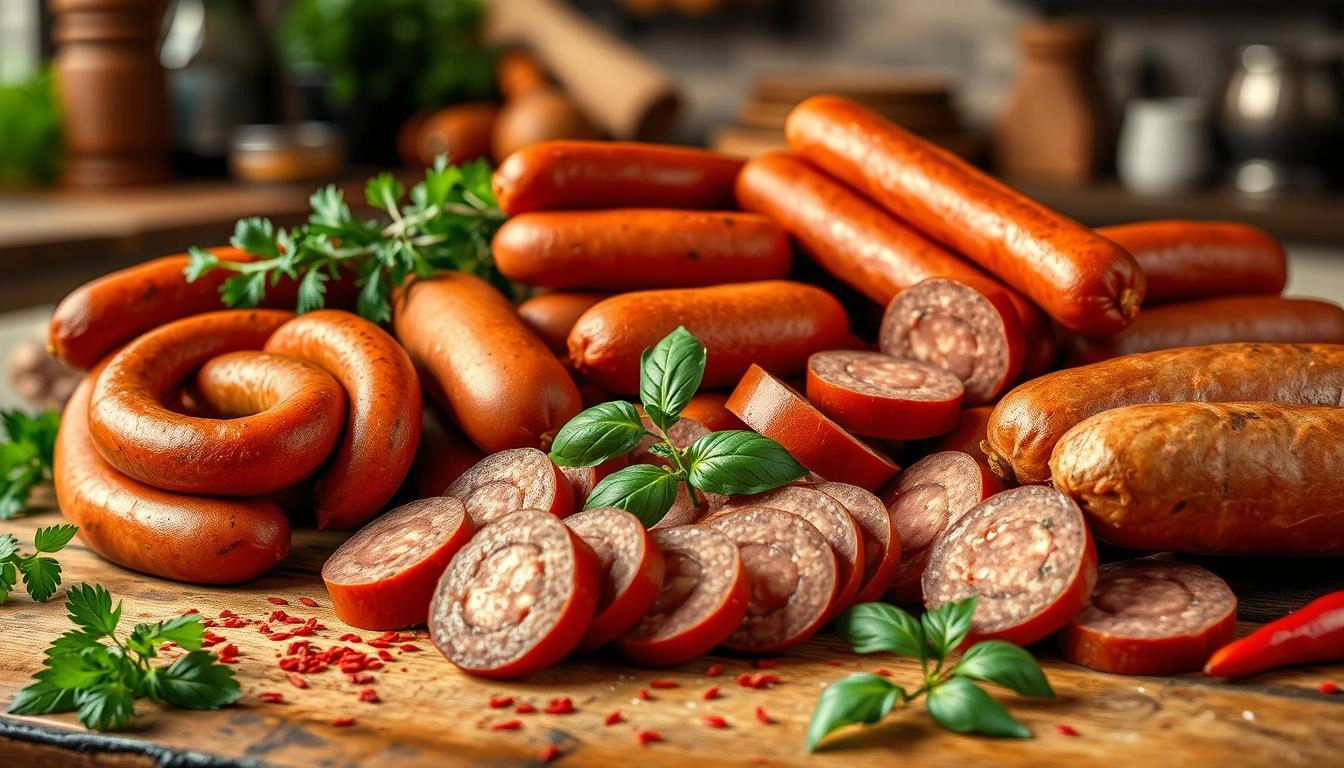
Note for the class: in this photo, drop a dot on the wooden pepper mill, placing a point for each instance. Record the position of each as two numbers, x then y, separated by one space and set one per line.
113 92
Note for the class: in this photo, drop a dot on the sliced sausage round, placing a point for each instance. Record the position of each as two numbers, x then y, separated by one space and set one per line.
504 482
967 327
794 578
1151 617
1026 554
384 576
584 479
927 498
703 599
630 569
777 411
878 395
517 598
881 540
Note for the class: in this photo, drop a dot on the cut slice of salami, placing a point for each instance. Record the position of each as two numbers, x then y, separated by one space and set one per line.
517 598
878 395
630 567
703 599
777 411
965 326
830 518
881 540
685 512
384 576
504 482
1151 617
1026 554
926 499
794 577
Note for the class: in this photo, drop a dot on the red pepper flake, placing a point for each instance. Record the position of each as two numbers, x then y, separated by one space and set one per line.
370 695
507 725
884 672
548 753
296 680
765 663
342 722
362 678
758 681
308 601
228 654
349 637
279 637
264 629
290 664
714 670
524 709
662 684
190 611
389 636
714 721
643 695
644 738
500 702
271 697
1066 730
168 646
210 639
208 623
1328 687
297 647
408 648
380 644
384 655
614 718
277 601
762 717
560 706
374 664
834 663
279 616
234 623
712 692
227 614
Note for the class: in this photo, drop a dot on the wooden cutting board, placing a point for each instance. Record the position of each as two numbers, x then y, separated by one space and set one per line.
432 715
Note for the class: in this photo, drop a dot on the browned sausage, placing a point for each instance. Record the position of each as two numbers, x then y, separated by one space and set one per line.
1029 420
1225 478
1084 281
505 482
482 364
968 436
460 132
1185 260
552 315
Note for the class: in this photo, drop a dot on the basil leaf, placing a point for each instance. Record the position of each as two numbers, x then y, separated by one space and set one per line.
737 462
996 661
861 698
873 627
597 434
645 491
669 374
195 681
947 626
53 538
960 705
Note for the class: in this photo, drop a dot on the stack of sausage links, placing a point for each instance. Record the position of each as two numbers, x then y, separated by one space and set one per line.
1150 442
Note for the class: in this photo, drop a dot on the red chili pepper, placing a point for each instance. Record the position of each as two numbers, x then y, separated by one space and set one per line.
560 706
370 695
1312 634
662 684
375 664
296 680
361 678
279 637
714 670
308 601
342 722
714 721
644 738
349 637
884 672
762 717
524 709
614 718
408 648
643 695
379 644
1328 687
384 654
1066 730
500 702
271 697
548 753
507 725
277 601
712 692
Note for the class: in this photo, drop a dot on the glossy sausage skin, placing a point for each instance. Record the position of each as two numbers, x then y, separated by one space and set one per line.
1084 281
482 364
186 538
571 175
382 429
1219 320
1220 478
774 323
1030 419
552 315
443 455
246 456
1185 260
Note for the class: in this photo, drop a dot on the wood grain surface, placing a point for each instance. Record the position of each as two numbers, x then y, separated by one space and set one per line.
432 715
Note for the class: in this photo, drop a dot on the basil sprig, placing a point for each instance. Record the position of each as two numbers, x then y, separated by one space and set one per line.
730 463
953 699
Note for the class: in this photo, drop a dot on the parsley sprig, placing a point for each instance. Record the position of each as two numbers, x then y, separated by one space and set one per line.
952 698
447 224
102 681
731 462
26 447
41 575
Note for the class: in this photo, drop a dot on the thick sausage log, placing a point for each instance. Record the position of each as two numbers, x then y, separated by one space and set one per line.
773 323
627 249
1151 617
505 482
552 316
1029 420
710 409
384 576
794 578
1184 260
247 456
517 598
570 175
1224 478
702 601
777 411
877 395
630 570
443 456
482 364
382 430
1026 555
1086 282
185 538
881 540
968 436
1219 320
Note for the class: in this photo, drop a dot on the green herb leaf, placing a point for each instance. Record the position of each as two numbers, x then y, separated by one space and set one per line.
995 661
738 462
960 705
669 374
255 236
72 642
199 261
598 434
42 698
643 490
106 707
54 538
84 669
947 626
244 290
41 576
312 291
196 681
873 627
90 608
862 698
187 631
9 576
26 447
8 546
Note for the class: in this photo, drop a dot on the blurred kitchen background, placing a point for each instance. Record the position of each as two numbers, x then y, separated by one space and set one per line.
134 128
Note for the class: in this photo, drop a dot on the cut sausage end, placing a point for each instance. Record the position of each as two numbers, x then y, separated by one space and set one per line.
505 482
881 540
878 395
630 569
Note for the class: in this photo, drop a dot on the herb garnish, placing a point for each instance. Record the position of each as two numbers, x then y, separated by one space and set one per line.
26 447
41 575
